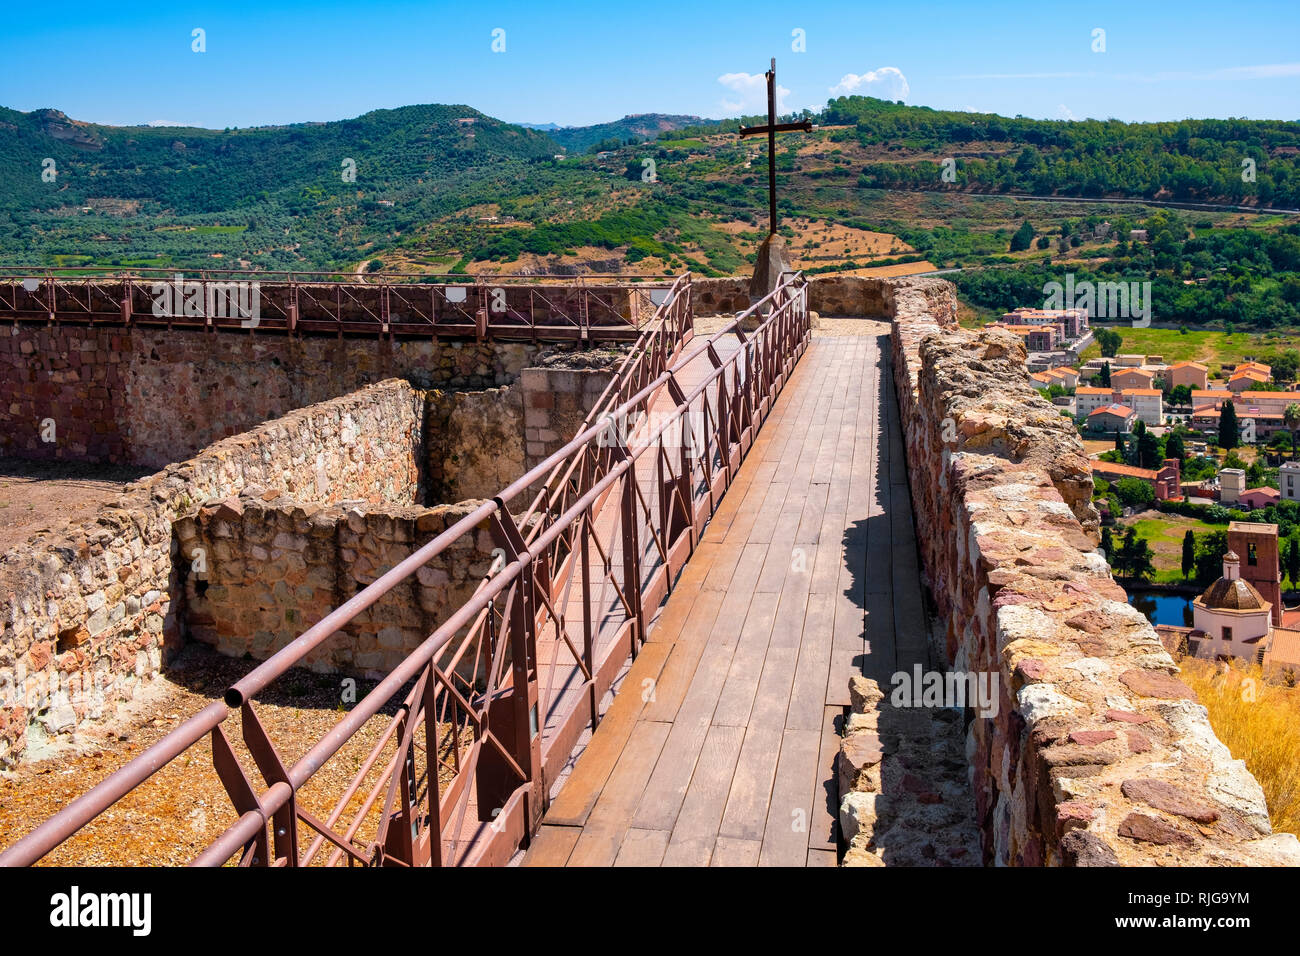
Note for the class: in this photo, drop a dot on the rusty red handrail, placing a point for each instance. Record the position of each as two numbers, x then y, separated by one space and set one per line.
669 504
484 306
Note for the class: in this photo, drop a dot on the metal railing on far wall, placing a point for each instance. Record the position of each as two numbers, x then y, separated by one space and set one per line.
490 705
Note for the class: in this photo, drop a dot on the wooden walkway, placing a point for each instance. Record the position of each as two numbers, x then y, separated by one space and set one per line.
719 748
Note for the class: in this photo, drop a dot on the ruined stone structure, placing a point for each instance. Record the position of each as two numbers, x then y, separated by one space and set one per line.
152 396
333 494
278 566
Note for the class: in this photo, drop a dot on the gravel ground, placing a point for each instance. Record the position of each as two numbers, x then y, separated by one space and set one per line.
171 817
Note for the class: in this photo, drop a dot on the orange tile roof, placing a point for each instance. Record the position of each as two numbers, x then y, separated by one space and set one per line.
1128 471
1198 365
1089 390
1121 410
1285 647
1140 391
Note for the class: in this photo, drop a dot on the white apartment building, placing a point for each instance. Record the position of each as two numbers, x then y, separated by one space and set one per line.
1149 403
1288 480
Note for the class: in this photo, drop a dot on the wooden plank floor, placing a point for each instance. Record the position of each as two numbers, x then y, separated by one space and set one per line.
718 750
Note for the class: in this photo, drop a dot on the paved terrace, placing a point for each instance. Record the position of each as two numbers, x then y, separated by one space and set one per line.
720 748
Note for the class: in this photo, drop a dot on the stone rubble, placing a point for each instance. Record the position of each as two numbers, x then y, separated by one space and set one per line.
902 774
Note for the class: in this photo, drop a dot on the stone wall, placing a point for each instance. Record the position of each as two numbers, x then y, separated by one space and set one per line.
474 442
275 566
715 296
556 400
86 612
1098 754
827 294
153 396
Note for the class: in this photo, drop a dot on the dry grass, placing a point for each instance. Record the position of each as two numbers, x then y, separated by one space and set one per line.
1260 723
170 818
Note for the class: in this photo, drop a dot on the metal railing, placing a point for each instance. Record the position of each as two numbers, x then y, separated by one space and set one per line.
591 307
500 692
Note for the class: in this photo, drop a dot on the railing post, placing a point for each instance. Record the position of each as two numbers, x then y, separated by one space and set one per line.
632 557
526 742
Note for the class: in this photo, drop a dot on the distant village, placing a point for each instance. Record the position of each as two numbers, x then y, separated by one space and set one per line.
1196 478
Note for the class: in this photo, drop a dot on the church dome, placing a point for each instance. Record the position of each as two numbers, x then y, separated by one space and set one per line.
1233 595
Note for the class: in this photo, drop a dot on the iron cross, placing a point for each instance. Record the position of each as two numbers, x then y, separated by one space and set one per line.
771 129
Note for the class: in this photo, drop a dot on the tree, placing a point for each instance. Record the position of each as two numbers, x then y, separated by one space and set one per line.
1180 395
1174 447
1291 419
1135 556
1148 449
1134 492
1211 548
1105 375
1023 237
1189 553
1293 563
1110 342
1108 545
1119 441
1228 436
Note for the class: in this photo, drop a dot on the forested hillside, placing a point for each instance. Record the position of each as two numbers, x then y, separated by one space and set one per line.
1185 160
447 189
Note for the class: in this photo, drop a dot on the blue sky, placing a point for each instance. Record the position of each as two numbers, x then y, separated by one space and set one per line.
578 63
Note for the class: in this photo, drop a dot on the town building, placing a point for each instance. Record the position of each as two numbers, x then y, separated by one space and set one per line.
1243 380
1073 322
1066 378
1165 481
1112 418
1231 618
1253 498
1038 338
1149 403
1288 480
1131 378
1192 374
1232 485
1261 564
1088 398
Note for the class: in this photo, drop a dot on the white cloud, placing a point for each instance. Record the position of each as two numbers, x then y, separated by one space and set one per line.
749 93
167 123
1063 112
886 83
1266 71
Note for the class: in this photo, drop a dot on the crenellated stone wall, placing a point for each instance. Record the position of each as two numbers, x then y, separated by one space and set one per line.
87 613
1098 754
